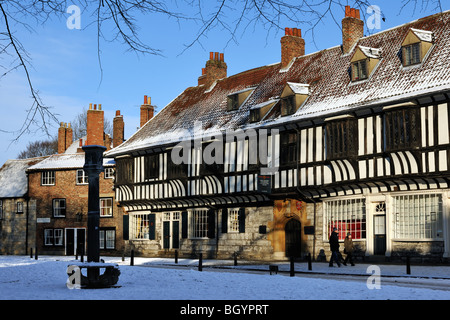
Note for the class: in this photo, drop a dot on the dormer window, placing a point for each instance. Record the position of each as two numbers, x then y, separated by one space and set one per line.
359 70
260 111
292 97
288 106
415 46
411 54
237 99
363 62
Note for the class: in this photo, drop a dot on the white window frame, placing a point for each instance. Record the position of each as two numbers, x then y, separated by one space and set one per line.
233 220
346 214
82 177
48 178
19 206
139 226
53 237
57 209
418 217
109 173
198 223
106 210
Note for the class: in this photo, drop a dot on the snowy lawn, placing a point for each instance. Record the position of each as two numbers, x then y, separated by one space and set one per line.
23 278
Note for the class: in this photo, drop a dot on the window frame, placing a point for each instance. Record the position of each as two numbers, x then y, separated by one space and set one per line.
288 148
103 237
59 209
50 237
341 138
402 129
82 177
125 170
360 70
417 217
108 173
413 57
19 207
48 178
288 105
151 166
111 208
348 215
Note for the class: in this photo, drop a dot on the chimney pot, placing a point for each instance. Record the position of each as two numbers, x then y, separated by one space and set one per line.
221 57
352 28
145 99
117 113
211 56
292 45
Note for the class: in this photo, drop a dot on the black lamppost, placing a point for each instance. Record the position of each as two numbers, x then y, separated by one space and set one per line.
93 165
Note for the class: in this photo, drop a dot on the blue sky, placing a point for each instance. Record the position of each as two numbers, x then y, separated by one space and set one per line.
66 71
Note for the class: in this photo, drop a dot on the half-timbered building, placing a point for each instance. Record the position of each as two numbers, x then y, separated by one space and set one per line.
265 163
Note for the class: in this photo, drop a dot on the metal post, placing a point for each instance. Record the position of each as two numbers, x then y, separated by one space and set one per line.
309 262
408 266
176 256
235 259
132 258
292 271
31 252
200 267
93 165
36 254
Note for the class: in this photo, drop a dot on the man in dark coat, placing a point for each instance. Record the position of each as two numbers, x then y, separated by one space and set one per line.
334 247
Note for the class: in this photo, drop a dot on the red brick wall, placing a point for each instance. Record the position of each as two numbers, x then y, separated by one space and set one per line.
76 201
95 126
292 45
352 29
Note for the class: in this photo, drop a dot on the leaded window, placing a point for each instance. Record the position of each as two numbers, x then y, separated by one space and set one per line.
418 216
402 129
411 54
341 139
347 216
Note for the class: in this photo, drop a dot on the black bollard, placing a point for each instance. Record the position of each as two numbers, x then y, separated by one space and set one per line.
31 253
235 259
309 262
132 258
176 256
200 258
408 266
36 254
292 271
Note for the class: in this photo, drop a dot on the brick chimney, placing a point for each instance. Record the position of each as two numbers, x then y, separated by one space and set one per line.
215 69
65 136
292 45
147 110
352 29
118 129
95 125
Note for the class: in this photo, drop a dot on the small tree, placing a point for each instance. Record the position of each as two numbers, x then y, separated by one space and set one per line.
39 149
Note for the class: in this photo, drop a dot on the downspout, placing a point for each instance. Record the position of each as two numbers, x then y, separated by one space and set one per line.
27 198
303 197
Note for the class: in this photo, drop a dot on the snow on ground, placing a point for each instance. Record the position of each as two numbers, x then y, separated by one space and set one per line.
24 278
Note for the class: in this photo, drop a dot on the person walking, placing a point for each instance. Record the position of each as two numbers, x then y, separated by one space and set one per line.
334 247
348 249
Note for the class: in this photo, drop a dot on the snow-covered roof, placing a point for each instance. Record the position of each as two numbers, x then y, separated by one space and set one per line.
13 178
371 52
423 35
299 88
330 88
66 161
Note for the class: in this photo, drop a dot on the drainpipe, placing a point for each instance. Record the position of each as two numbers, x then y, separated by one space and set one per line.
304 197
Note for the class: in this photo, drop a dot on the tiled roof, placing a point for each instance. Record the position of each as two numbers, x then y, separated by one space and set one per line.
330 88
